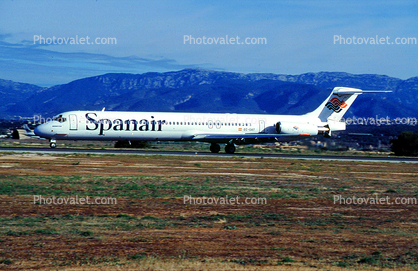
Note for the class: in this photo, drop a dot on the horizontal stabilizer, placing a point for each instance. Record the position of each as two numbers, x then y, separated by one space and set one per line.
377 91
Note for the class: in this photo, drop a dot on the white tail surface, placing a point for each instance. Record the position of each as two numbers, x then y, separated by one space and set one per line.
336 105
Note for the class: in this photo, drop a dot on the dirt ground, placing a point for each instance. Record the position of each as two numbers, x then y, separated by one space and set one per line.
291 213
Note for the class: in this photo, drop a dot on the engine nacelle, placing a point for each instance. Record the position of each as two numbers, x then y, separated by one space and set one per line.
296 128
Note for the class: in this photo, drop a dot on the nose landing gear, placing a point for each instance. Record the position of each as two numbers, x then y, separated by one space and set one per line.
52 143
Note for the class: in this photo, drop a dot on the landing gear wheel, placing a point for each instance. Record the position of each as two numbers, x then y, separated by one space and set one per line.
53 145
215 148
230 148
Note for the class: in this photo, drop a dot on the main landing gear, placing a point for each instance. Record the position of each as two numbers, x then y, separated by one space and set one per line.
229 148
215 148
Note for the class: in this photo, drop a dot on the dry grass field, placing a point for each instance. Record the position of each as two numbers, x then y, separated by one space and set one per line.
292 214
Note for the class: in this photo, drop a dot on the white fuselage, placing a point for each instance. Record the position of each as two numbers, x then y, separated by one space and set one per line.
160 126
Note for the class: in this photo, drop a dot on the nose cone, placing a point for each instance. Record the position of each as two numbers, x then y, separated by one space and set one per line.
43 130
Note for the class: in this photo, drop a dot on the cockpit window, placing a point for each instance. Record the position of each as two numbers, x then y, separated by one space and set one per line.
60 119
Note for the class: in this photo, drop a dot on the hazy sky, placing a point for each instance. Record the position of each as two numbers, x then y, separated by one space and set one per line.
291 37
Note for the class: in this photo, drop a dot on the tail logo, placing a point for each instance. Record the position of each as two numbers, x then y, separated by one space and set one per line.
336 105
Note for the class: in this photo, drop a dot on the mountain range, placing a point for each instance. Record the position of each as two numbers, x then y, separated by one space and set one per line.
197 90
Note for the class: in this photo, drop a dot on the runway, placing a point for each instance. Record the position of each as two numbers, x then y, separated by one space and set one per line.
390 159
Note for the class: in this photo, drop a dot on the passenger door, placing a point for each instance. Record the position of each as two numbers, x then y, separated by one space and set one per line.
262 126
73 122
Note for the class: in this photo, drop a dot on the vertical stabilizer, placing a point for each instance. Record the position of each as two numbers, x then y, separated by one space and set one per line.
336 105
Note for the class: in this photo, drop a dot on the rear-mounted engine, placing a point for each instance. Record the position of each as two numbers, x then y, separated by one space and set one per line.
296 128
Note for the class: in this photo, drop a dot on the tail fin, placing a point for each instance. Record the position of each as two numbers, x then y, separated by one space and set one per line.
27 129
336 105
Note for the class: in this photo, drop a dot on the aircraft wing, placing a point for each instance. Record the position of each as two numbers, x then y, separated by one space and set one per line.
248 137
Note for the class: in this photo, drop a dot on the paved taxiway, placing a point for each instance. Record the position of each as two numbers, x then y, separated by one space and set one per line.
176 153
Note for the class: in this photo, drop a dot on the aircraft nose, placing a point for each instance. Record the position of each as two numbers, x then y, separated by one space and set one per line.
42 130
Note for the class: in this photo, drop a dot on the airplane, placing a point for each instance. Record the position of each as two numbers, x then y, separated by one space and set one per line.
30 133
213 128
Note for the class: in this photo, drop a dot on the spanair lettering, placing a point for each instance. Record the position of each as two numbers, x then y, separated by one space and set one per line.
104 125
228 129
